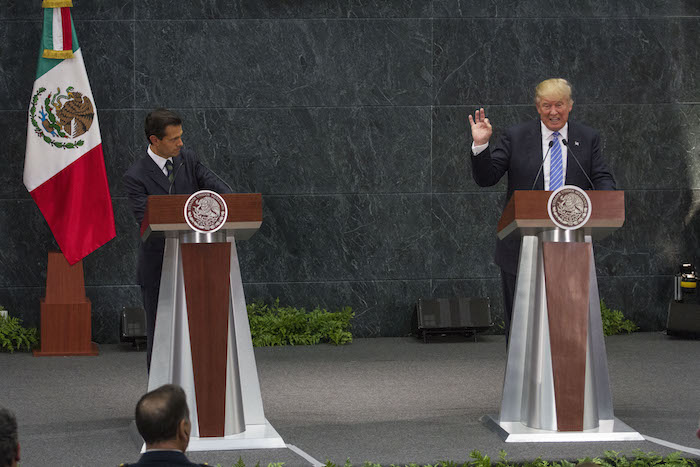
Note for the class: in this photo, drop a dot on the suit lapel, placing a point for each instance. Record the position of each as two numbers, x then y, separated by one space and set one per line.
535 157
156 174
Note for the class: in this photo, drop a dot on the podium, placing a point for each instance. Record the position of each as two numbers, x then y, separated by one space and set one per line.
202 335
556 386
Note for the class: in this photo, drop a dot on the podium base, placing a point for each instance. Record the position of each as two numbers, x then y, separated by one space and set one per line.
92 352
254 437
513 432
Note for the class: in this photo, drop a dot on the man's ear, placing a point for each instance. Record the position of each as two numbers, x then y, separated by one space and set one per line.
17 456
153 139
184 429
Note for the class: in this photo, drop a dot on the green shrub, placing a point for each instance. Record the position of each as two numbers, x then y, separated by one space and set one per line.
285 325
609 459
614 322
13 336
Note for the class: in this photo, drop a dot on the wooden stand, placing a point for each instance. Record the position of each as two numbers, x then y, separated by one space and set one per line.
66 324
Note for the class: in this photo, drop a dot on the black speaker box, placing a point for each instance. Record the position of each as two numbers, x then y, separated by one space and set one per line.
683 320
132 326
457 315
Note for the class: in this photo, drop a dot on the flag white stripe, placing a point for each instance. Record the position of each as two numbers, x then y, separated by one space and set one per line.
57 30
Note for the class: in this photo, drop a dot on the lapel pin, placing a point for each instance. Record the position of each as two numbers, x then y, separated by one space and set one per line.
576 143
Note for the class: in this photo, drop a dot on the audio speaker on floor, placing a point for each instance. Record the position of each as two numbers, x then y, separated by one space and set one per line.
132 326
457 315
683 320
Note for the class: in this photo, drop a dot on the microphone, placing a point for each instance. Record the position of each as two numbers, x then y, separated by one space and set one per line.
216 175
551 143
170 188
566 143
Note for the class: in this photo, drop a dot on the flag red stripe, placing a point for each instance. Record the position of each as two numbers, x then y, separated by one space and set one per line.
67 32
77 206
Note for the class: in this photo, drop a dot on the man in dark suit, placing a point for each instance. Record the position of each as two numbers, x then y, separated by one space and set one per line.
167 168
163 421
523 149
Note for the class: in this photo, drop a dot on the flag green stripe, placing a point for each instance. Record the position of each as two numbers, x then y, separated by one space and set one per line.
47 32
46 64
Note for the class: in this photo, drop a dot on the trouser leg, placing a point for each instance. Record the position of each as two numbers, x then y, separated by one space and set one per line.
508 283
150 304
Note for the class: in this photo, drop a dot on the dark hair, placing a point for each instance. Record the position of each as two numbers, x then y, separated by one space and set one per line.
158 120
8 437
159 412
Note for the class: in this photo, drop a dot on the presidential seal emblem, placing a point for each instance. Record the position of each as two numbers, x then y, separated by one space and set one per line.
569 207
61 117
206 211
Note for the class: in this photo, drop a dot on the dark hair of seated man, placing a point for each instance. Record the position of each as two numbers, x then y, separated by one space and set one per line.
9 446
163 419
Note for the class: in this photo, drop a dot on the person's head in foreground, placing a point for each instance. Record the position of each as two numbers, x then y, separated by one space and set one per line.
163 418
9 445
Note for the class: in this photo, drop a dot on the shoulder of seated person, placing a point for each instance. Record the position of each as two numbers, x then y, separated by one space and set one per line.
124 464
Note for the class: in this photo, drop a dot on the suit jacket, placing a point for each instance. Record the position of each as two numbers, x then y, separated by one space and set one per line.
145 178
519 153
162 459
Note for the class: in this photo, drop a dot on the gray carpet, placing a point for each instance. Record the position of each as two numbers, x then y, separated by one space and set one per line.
387 400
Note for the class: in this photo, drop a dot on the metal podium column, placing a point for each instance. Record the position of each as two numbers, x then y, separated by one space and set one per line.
245 424
528 409
172 332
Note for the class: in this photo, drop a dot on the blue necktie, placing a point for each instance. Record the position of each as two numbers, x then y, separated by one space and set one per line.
556 166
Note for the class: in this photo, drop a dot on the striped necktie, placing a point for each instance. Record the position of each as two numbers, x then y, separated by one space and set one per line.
556 167
169 168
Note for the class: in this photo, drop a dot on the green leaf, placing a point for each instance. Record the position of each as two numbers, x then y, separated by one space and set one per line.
273 325
614 322
13 336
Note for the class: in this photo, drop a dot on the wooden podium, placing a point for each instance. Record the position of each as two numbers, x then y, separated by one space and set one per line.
202 336
556 386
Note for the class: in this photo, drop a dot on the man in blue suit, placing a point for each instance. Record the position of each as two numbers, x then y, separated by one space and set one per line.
167 168
163 421
521 152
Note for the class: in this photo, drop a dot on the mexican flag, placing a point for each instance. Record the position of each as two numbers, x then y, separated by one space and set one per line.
64 168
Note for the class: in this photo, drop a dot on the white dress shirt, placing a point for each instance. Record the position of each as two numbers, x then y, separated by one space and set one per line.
160 161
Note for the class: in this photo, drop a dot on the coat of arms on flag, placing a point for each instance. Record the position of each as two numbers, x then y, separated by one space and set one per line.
61 115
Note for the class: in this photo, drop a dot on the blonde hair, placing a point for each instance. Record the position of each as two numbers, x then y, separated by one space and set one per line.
553 88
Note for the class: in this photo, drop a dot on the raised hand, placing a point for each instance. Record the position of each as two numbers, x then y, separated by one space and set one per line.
481 127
